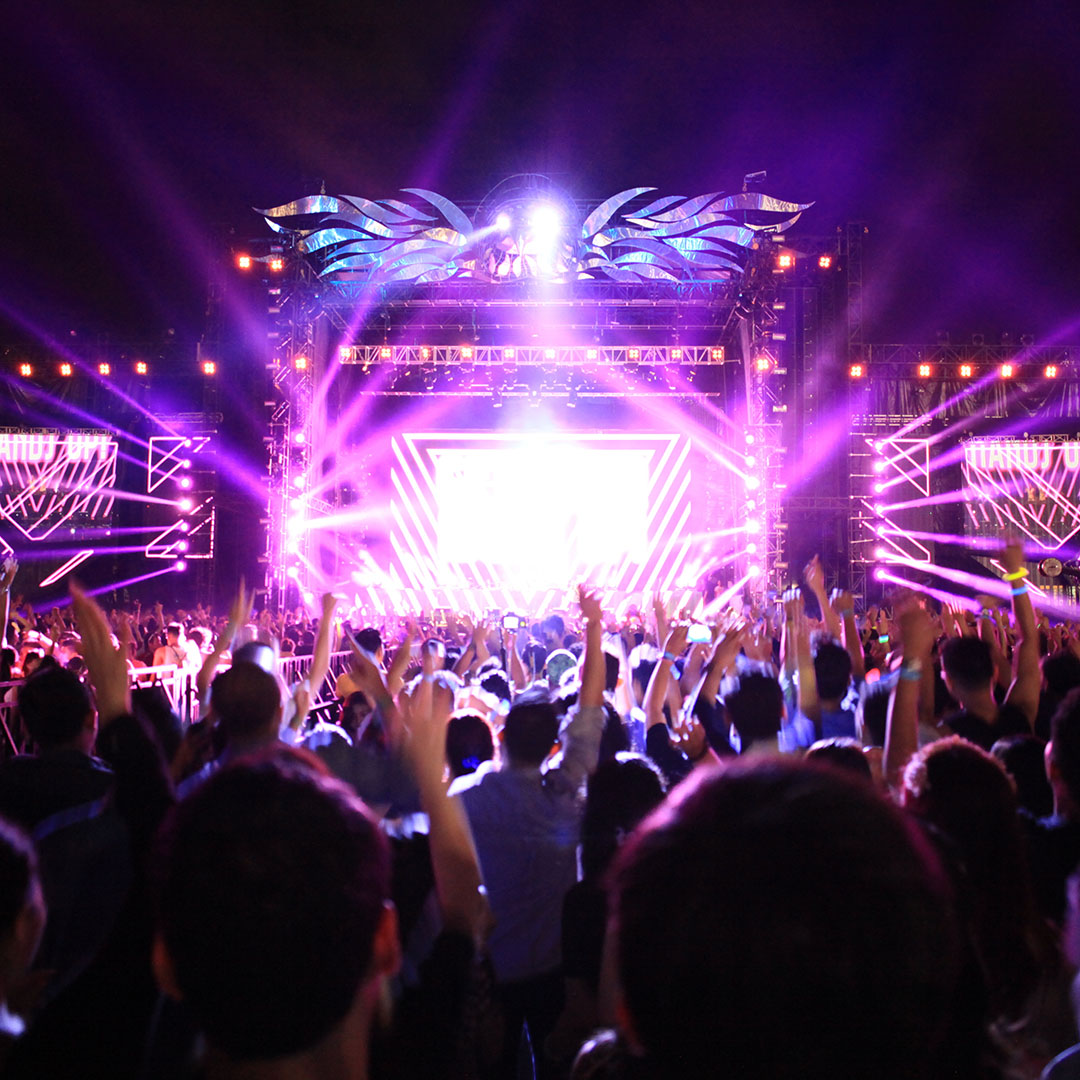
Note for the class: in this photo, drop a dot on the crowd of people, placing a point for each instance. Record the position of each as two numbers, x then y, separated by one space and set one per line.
804 841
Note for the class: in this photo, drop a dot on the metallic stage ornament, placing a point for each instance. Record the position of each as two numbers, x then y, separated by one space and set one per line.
531 230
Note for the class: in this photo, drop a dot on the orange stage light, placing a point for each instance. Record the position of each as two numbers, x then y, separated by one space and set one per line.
300 363
824 261
65 369
26 370
1051 371
104 369
277 264
856 371
243 262
966 371
1008 371
209 367
925 371
141 367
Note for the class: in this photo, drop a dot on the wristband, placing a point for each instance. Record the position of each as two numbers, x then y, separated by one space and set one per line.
669 656
910 674
1016 575
883 639
1020 591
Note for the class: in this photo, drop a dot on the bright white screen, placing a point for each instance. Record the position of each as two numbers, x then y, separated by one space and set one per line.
546 510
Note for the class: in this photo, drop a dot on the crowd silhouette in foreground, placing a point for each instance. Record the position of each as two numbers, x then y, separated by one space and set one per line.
807 842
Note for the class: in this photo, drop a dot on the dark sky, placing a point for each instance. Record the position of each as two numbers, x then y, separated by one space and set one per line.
135 130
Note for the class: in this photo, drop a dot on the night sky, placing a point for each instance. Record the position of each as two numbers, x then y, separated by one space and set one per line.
136 133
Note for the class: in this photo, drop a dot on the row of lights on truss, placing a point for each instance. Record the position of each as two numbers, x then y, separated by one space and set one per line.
105 369
468 352
786 260
963 371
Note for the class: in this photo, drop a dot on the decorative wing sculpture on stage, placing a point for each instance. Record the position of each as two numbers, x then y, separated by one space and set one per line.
531 231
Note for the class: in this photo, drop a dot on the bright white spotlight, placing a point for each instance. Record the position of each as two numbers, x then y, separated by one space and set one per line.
180 566
184 505
879 466
293 572
751 462
503 222
749 439
751 548
545 221
754 570
753 526
185 483
878 509
182 545
296 525
879 488
298 481
880 553
752 483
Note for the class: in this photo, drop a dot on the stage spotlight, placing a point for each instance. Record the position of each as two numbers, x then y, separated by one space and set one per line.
591 354
209 367
344 353
466 352
26 370
300 363
762 364
508 354
676 354
182 545
880 553
966 371
243 262
879 466
824 261
184 505
1050 371
293 572
925 371
300 438
716 353
425 353
104 369
180 566
879 488
1008 371
386 353
752 483
185 483
751 548
66 370
276 264
754 570
633 354
184 526
503 222
545 221
785 260
751 462
878 509
749 440
141 367
549 354
298 481
753 526
856 371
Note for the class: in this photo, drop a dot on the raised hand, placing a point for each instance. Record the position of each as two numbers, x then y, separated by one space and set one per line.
105 662
676 639
589 602
815 576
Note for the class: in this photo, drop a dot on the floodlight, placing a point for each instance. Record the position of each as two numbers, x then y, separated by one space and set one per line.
300 363
243 262
752 483
66 369
277 264
180 566
185 483
824 261
754 570
785 260
856 371
1051 371
503 222
184 505
104 369
25 370
209 367
966 371
762 364
141 367
925 371
1008 371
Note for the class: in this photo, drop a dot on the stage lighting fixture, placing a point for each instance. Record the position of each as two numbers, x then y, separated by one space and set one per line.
749 439
300 363
753 526
104 369
856 371
141 367
966 371
425 352
182 545
785 260
1050 371
751 548
180 566
878 509
1008 371
503 222
300 438
209 367
66 370
925 371
879 466
243 262
824 261
716 353
277 264
754 570
508 354
185 483
344 352
183 526
466 352
880 553
762 364
184 505
545 221
386 352
591 354
293 572
676 354
752 483
549 354
25 370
